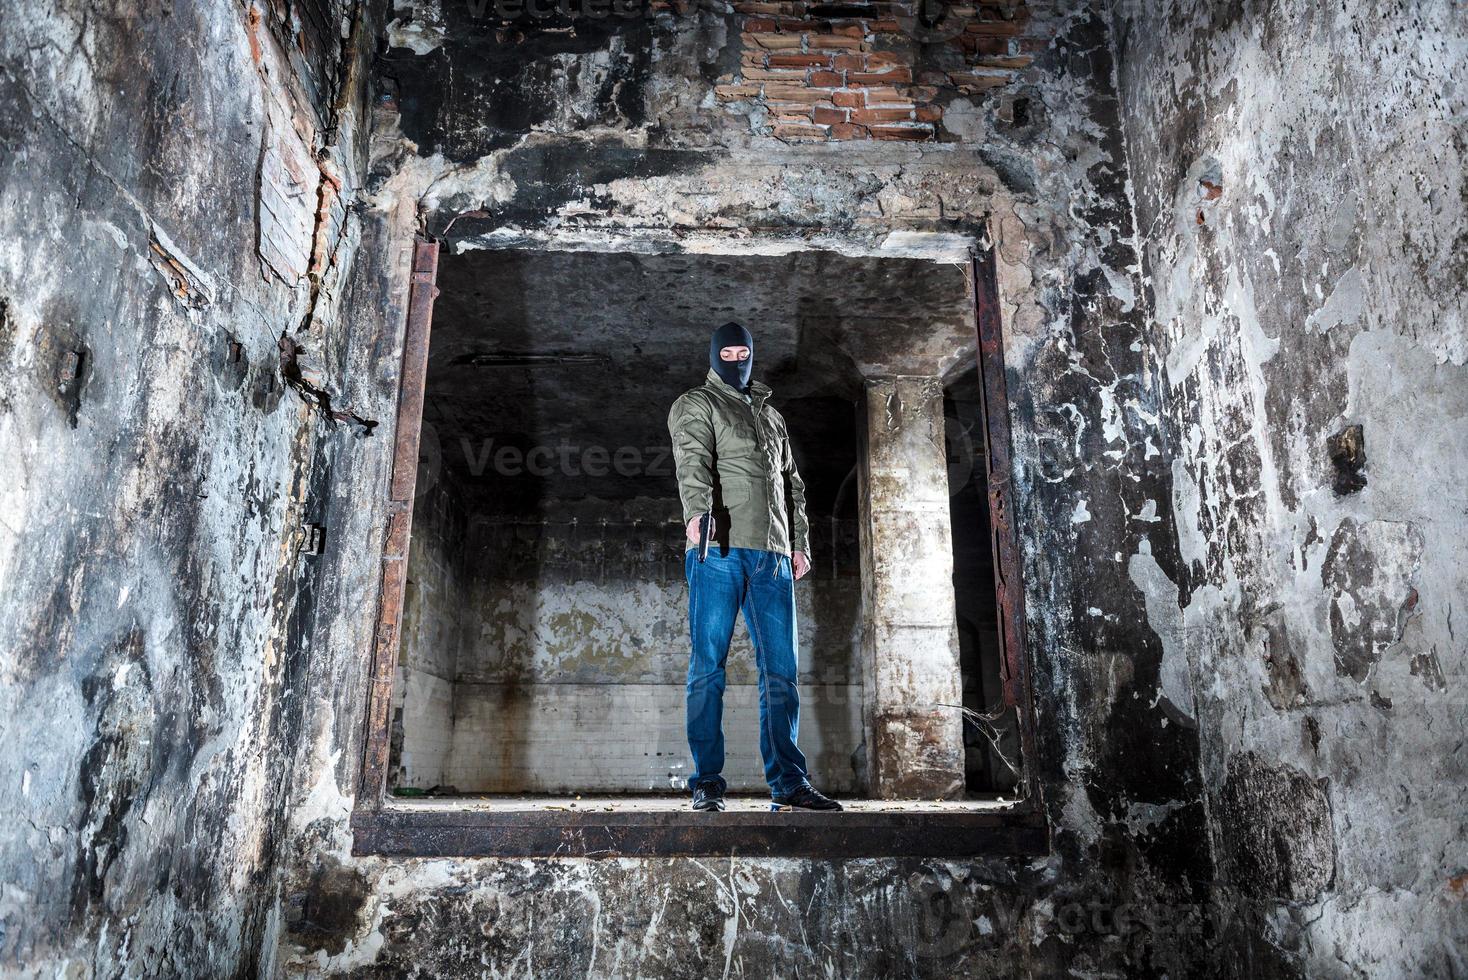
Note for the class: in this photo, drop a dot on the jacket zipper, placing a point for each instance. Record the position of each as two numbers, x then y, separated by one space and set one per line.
760 445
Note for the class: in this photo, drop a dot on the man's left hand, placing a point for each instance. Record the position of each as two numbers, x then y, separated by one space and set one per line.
800 563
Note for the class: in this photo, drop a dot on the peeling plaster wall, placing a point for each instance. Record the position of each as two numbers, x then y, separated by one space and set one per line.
170 273
1298 170
619 143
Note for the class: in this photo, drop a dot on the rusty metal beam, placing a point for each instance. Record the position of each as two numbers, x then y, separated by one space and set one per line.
1008 561
456 832
413 379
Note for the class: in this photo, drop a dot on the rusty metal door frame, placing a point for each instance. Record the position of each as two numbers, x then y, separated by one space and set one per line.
1008 559
373 786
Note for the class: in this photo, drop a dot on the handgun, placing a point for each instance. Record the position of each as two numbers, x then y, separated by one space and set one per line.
705 531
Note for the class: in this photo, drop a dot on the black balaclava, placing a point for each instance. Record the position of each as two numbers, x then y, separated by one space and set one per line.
734 373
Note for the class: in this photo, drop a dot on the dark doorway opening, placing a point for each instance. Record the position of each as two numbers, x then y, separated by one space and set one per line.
843 319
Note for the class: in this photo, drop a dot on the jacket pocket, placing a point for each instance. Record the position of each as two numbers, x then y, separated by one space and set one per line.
734 494
737 440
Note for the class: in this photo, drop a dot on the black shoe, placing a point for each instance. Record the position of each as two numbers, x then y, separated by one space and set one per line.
708 796
805 798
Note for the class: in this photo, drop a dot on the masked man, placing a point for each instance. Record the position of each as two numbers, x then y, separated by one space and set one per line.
732 454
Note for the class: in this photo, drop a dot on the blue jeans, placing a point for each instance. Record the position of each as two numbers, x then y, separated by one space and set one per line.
762 585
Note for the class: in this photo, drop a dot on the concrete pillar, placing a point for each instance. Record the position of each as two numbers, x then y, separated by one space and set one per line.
909 626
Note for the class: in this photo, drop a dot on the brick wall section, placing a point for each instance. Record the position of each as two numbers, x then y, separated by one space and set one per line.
856 71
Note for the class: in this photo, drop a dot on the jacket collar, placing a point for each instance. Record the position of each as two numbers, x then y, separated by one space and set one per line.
758 390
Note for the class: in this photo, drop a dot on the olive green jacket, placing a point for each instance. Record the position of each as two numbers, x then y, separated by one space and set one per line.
733 458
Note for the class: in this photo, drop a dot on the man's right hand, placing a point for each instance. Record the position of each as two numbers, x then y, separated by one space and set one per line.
693 529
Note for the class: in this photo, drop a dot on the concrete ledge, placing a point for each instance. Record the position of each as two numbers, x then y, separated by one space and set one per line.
454 831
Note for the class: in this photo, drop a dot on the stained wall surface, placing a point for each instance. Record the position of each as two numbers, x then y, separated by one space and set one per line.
173 247
552 659
613 136
1300 193
1225 234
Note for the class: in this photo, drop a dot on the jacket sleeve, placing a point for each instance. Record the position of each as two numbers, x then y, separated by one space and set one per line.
799 525
692 431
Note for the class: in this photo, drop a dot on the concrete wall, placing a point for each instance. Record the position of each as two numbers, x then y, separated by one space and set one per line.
570 656
612 135
172 251
1300 193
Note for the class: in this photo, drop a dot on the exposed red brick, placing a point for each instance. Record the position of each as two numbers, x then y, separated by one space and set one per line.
780 42
829 42
1018 61
797 118
794 93
733 93
782 109
793 75
799 131
997 28
799 60
892 76
875 58
818 78
884 114
884 93
902 132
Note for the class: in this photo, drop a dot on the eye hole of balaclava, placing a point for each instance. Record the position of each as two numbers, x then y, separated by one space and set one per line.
734 373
